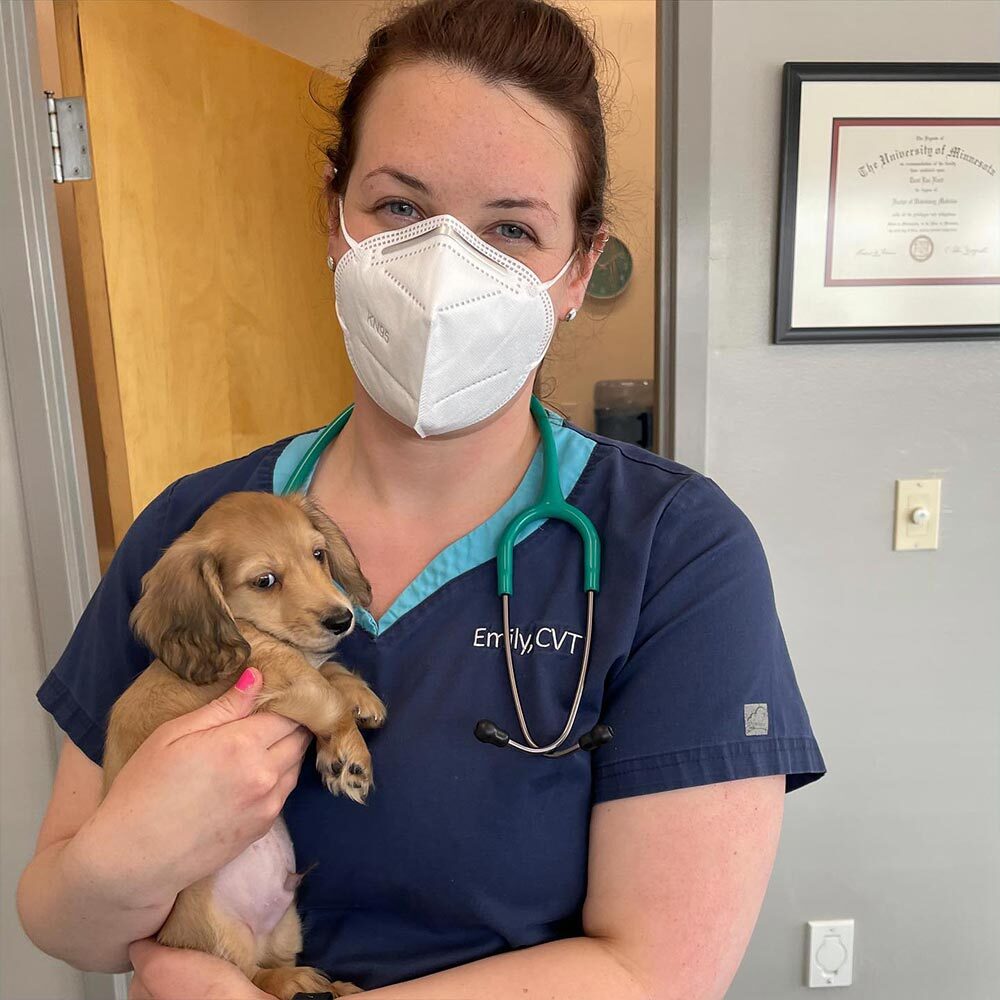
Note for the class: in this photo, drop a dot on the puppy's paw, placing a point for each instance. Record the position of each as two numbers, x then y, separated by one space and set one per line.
369 710
284 983
345 765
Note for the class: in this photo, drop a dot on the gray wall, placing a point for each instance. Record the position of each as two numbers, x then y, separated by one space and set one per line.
898 654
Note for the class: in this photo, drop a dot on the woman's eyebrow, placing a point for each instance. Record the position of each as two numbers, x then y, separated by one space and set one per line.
408 179
538 203
418 185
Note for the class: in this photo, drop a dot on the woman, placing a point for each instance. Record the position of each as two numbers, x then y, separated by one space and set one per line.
636 870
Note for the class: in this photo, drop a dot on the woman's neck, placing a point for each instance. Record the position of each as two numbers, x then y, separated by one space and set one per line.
457 478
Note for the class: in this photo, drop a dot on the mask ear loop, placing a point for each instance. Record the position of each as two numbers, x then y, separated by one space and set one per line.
347 236
546 285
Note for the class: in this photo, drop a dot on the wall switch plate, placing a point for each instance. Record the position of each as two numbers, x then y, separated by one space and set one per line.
831 952
918 513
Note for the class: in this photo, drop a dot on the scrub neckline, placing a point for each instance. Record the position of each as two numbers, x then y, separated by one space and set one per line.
476 546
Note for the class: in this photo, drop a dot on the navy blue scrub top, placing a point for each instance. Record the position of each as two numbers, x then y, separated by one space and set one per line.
465 850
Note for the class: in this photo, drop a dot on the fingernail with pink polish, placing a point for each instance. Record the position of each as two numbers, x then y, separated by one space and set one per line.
246 680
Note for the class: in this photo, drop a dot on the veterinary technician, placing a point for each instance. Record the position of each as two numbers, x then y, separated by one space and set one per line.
636 869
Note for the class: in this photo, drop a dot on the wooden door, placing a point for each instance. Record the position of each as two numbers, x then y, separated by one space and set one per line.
204 321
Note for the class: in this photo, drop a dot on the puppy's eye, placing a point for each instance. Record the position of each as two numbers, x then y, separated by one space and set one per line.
318 555
265 581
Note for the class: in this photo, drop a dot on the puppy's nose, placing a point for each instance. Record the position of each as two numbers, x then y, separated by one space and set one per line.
338 621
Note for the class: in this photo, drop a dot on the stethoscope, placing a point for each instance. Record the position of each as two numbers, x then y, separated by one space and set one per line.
551 503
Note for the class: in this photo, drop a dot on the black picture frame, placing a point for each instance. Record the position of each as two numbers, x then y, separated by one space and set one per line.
794 75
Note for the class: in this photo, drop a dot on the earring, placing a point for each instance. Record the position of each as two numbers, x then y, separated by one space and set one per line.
570 316
329 263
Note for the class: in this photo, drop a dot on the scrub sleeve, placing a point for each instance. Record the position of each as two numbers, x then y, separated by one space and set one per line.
708 692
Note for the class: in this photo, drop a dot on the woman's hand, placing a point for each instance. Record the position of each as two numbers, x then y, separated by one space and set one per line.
181 974
200 789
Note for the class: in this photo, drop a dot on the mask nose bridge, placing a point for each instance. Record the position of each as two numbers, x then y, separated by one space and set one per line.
451 231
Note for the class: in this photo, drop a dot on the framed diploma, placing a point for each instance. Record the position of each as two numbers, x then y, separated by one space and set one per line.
890 203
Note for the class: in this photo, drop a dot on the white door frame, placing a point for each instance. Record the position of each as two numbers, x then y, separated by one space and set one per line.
683 134
38 346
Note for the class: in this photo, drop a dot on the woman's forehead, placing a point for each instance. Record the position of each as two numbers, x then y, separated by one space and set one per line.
465 138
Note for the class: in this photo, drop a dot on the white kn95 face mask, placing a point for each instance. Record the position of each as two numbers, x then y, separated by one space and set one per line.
442 329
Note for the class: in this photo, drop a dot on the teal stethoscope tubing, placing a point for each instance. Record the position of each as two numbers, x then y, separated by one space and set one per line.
551 504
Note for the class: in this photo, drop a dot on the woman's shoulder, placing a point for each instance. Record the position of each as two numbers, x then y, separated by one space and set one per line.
182 501
103 655
641 491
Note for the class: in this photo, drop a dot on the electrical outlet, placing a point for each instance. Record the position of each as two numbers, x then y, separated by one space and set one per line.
831 952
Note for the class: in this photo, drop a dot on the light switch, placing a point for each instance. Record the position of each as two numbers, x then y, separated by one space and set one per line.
918 513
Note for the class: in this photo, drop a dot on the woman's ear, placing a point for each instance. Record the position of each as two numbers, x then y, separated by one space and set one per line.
344 566
182 615
333 237
581 270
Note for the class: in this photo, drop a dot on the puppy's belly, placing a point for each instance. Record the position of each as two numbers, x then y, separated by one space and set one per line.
257 886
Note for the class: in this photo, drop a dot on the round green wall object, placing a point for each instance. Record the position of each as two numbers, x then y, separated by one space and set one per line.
612 271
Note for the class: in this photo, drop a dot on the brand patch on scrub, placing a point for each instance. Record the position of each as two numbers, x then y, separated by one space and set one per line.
755 719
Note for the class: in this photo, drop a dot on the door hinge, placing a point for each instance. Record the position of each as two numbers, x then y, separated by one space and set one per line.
70 138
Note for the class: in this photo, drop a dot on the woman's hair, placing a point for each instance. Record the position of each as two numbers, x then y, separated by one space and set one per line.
524 43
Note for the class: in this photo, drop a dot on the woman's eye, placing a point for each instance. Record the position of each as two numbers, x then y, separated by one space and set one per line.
266 581
404 204
523 233
318 555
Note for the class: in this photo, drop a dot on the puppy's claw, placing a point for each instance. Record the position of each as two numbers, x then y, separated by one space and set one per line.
374 721
369 712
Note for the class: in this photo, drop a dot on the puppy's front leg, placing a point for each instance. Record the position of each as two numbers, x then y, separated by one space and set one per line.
366 705
342 757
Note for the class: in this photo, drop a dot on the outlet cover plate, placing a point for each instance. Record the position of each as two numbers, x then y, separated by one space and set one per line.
831 953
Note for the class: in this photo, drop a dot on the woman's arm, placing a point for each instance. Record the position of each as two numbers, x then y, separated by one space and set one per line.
200 789
675 883
67 906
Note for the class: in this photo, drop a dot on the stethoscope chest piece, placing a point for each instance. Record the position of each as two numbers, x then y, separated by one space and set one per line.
490 732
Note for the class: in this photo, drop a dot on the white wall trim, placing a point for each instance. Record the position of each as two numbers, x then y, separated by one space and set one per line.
692 57
38 343
664 213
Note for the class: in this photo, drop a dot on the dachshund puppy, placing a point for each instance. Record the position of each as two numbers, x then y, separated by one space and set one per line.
252 583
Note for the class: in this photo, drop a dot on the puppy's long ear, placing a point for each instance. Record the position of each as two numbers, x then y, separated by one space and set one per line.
344 566
183 617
